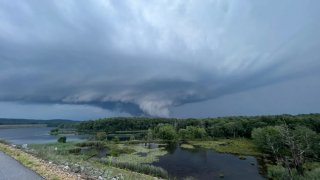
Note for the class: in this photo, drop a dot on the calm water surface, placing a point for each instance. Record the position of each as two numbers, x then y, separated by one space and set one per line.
31 135
206 164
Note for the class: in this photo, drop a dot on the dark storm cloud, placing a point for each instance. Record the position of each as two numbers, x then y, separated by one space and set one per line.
144 57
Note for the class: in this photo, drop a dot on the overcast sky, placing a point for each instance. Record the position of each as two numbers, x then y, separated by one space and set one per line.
80 59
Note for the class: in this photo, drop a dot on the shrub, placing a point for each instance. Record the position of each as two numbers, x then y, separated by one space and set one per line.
116 151
166 132
116 139
192 132
75 150
268 139
96 144
314 174
101 136
54 131
140 168
132 138
277 172
3 141
91 153
62 139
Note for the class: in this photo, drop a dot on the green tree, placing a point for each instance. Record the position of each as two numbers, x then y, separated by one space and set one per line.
216 131
166 132
299 143
269 140
198 132
290 146
54 131
149 136
183 134
233 128
101 136
62 139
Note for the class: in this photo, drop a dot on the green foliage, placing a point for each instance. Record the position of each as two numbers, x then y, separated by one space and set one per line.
96 144
307 140
149 135
268 139
91 153
237 126
216 131
278 173
116 151
183 134
62 156
49 123
101 136
54 131
192 132
240 146
116 139
62 139
113 125
290 146
74 150
187 146
132 138
292 140
2 141
313 174
233 128
140 168
166 132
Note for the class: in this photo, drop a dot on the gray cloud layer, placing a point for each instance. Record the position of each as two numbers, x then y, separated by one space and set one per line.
145 57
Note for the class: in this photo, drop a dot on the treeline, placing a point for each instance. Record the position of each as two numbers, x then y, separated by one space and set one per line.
237 126
50 123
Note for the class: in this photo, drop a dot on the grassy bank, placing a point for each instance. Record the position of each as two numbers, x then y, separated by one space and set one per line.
43 168
123 160
240 146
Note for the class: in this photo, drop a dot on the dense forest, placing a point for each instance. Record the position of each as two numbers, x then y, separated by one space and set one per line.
235 126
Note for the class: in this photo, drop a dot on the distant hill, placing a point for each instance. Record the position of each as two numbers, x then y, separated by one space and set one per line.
49 123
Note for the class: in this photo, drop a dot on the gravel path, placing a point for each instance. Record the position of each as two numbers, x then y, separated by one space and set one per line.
10 169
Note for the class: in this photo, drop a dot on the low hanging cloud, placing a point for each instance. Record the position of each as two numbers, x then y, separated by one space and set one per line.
145 57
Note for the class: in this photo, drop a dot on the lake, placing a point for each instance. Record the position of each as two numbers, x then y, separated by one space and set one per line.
207 164
32 135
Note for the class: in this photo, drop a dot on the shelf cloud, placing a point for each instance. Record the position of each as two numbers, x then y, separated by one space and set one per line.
146 57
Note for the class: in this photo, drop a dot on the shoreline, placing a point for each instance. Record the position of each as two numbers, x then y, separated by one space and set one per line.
45 169
11 126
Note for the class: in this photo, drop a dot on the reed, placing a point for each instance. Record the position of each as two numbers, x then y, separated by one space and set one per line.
140 168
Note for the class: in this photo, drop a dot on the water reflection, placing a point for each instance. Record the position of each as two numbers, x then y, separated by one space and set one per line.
206 164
